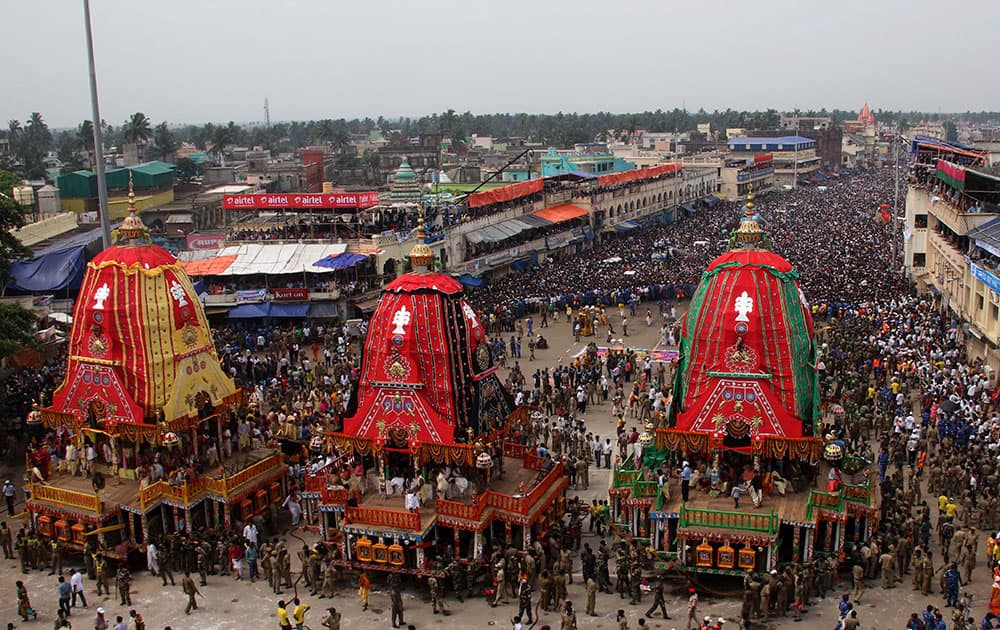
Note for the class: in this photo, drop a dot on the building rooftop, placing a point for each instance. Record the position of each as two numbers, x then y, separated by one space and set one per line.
769 140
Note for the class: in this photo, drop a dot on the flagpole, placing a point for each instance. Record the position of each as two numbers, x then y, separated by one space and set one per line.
102 185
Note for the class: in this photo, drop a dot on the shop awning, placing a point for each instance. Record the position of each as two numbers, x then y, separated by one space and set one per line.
180 217
250 311
532 221
367 306
277 258
688 208
558 214
208 266
323 310
492 234
626 226
289 310
612 179
506 193
342 261
469 280
712 201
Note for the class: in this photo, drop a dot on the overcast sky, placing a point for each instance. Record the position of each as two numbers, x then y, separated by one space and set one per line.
217 60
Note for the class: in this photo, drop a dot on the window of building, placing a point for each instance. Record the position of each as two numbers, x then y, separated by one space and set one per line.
994 312
919 260
980 302
920 221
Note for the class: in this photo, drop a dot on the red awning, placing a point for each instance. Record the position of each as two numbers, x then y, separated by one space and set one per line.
639 174
208 266
558 214
506 193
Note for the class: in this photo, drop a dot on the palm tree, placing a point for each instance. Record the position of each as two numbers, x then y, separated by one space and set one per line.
85 139
221 136
37 132
325 131
164 140
14 131
137 129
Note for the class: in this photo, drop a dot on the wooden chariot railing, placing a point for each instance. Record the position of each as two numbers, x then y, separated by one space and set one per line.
383 517
87 502
836 501
193 489
743 521
498 501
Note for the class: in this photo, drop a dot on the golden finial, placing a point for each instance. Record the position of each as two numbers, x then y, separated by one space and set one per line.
420 226
750 199
421 256
131 193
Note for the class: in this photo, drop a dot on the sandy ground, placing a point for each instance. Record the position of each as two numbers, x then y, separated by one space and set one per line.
229 604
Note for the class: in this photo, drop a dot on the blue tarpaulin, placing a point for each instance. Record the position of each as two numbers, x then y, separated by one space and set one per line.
469 280
250 311
688 208
50 272
342 261
289 310
56 267
626 226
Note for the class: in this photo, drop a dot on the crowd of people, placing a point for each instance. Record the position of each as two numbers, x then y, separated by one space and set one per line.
914 403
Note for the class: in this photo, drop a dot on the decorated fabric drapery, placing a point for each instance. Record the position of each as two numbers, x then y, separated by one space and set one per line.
140 341
427 373
506 193
951 174
638 174
746 352
801 448
447 454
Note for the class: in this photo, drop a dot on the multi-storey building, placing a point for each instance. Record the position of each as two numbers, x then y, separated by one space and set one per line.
794 157
952 239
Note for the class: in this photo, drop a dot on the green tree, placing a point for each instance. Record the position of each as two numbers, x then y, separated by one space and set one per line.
14 133
137 131
221 136
37 134
85 138
17 329
187 169
17 325
164 141
371 162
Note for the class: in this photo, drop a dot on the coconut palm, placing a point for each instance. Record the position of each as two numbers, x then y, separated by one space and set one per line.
221 136
164 140
36 132
14 131
137 129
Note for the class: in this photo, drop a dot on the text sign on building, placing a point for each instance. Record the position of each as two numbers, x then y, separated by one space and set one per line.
298 294
205 241
300 201
985 277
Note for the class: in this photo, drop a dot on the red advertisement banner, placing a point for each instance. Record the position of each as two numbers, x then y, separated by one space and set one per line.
300 201
290 295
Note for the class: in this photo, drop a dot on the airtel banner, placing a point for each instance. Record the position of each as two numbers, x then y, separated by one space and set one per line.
205 241
300 201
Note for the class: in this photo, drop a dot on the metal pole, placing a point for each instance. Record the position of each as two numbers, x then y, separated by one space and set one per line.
895 197
102 185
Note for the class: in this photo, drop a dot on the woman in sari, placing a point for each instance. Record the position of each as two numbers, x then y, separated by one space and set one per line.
23 603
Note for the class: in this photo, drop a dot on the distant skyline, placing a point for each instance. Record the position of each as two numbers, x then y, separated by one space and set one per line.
216 61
